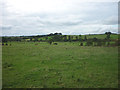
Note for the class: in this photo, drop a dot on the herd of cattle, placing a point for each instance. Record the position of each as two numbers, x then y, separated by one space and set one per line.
53 44
5 44
80 44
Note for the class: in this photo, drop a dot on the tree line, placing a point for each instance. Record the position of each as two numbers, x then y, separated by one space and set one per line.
58 37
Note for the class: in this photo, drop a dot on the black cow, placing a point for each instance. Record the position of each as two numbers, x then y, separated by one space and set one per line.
55 43
81 44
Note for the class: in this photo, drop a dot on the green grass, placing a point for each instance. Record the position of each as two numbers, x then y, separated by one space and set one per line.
65 65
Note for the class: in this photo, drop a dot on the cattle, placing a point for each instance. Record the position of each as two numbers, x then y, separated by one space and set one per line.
81 44
2 44
55 43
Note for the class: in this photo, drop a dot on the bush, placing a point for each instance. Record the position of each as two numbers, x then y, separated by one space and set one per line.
99 43
89 43
117 42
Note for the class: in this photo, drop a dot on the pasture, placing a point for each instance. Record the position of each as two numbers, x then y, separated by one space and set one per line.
66 65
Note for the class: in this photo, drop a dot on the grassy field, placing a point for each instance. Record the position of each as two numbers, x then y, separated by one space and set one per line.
66 65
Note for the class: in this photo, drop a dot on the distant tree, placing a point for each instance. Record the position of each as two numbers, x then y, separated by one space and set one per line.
60 33
69 38
9 39
57 38
51 34
35 39
108 35
50 41
40 39
80 37
76 38
4 39
65 38
94 39
30 39
46 38
85 38
62 38
55 33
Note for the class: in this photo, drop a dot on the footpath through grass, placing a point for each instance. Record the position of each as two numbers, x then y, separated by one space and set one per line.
66 65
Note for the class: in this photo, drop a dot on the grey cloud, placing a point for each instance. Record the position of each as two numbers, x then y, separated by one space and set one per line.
111 20
6 27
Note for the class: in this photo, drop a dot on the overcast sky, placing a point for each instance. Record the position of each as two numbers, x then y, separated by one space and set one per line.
37 17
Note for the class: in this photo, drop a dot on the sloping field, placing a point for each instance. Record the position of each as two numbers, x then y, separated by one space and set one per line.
66 65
